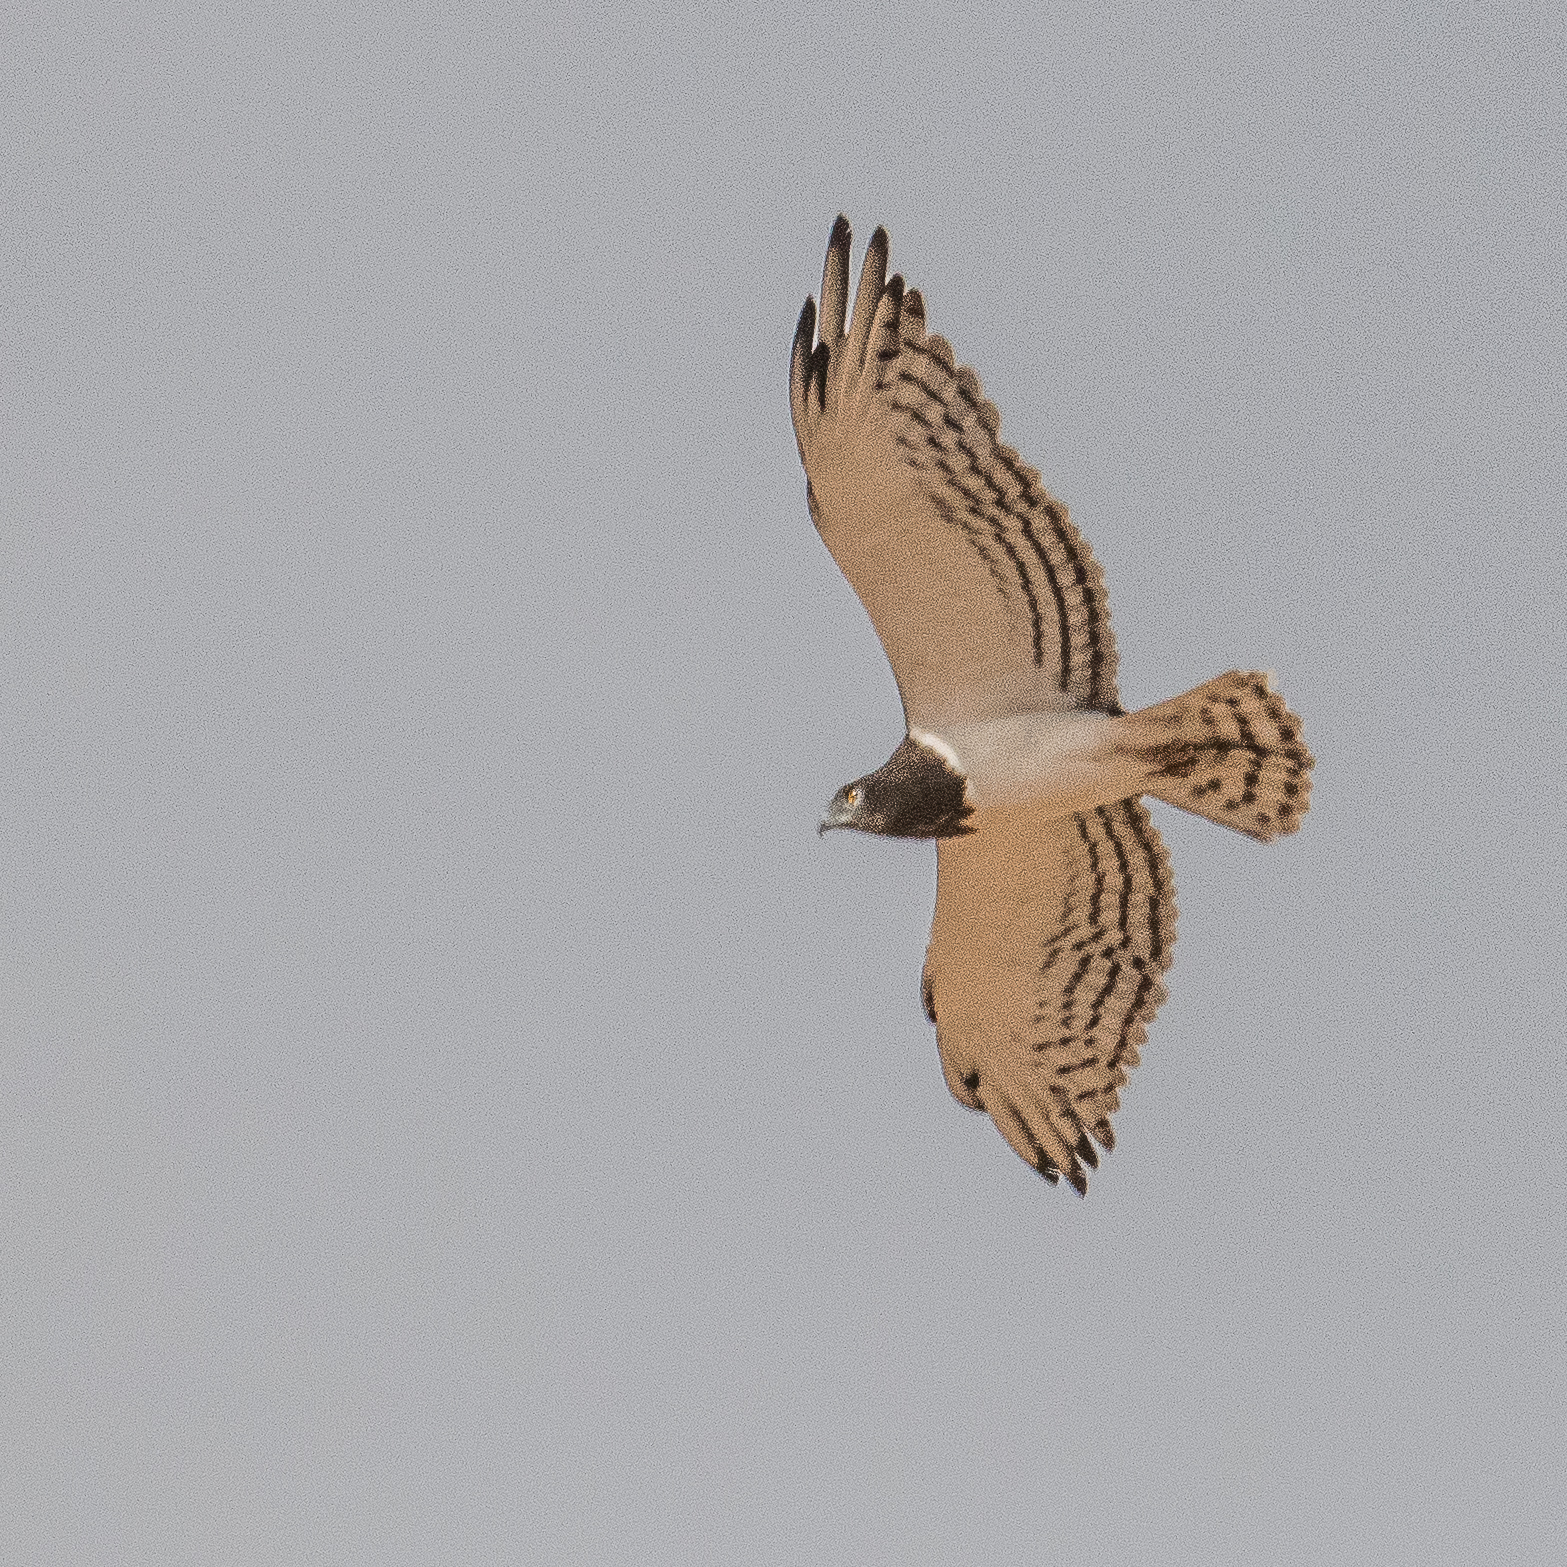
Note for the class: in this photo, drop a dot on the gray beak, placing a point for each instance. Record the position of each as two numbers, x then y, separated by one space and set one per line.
838 815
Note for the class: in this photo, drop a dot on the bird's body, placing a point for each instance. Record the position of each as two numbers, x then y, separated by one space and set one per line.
1055 908
1065 760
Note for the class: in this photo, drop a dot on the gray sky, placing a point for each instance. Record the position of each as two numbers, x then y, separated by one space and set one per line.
452 1107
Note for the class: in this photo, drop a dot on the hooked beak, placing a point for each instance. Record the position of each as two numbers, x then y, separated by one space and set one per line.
838 815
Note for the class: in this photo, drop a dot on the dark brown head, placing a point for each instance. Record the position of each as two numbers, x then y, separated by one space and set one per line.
918 792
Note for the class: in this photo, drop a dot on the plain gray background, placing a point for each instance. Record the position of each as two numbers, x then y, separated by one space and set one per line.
452 1107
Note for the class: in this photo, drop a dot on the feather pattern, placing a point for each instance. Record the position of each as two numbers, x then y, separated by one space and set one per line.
1045 967
1055 907
986 598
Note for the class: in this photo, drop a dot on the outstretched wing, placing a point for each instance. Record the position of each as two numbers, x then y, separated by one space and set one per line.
1044 970
986 598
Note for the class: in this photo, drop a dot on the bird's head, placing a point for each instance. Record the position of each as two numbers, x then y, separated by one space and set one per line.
852 807
919 792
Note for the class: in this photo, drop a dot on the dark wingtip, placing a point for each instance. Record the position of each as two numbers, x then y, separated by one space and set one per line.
1106 1135
840 233
805 328
878 247
895 288
819 362
1078 1179
1086 1151
1047 1169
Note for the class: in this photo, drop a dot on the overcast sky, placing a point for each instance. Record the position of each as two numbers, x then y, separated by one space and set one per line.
453 1108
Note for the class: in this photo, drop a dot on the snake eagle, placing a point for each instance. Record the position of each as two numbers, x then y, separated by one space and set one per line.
1055 906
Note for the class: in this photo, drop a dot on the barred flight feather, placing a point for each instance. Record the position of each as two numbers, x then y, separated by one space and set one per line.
1040 1015
1055 906
900 443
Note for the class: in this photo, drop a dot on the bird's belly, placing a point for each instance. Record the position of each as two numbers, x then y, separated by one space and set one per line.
1059 762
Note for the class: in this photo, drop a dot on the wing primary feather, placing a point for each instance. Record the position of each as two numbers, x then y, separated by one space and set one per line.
835 281
882 338
800 368
1033 1142
873 283
820 360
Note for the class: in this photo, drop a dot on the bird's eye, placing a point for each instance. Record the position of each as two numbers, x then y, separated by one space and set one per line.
851 797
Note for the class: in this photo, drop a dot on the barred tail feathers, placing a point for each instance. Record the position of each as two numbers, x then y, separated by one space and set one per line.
1229 750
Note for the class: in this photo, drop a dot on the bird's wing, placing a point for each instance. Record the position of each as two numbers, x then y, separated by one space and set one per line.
1044 970
986 598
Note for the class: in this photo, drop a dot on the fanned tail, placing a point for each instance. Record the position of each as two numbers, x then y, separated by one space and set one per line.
1229 750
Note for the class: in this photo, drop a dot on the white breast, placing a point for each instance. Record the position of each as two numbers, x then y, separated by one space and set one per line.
1070 761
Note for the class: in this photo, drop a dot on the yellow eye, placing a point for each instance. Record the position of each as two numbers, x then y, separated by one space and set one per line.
852 797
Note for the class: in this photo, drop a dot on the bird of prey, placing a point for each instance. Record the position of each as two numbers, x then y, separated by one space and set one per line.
1055 907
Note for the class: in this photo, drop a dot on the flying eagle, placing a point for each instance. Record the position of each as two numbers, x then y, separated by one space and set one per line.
1055 907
